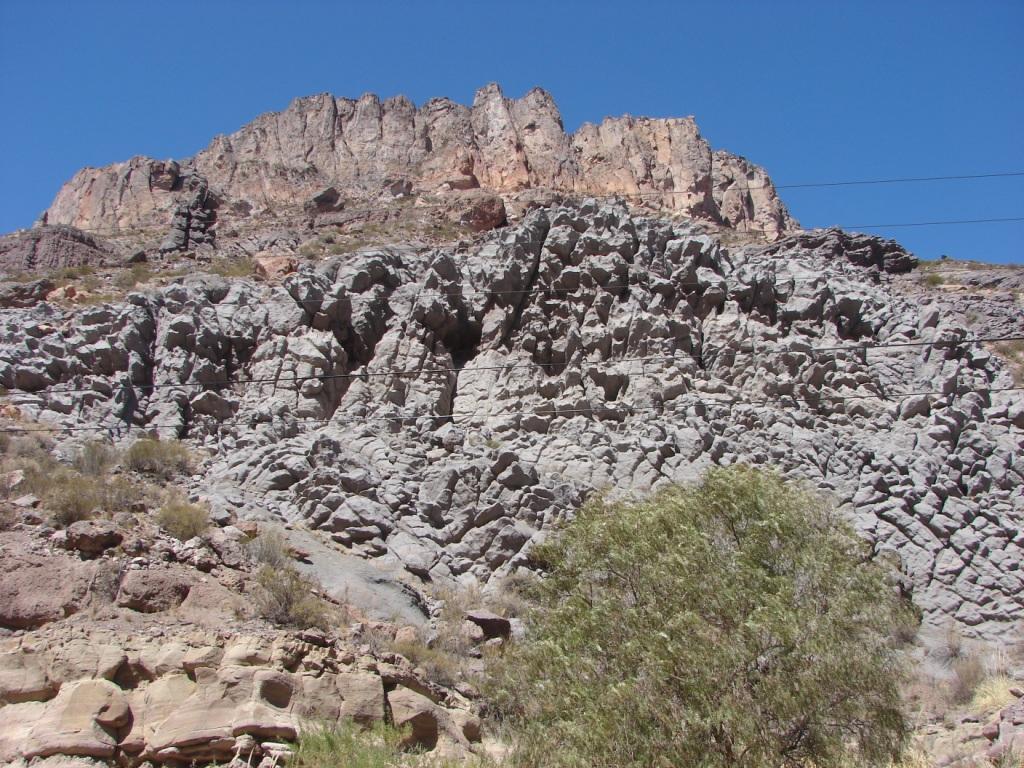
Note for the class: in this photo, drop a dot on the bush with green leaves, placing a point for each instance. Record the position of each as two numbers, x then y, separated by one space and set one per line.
738 622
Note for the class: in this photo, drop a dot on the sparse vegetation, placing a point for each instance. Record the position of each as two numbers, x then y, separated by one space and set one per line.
160 458
95 458
933 279
269 548
992 694
70 496
182 520
1013 353
236 267
69 493
348 745
441 665
289 598
127 279
968 672
710 626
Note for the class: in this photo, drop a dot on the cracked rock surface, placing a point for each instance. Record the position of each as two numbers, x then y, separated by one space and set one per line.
440 409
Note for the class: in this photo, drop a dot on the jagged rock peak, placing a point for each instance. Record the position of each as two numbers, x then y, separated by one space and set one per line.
364 146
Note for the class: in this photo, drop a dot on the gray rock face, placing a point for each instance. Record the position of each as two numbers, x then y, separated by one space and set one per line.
51 247
439 410
285 162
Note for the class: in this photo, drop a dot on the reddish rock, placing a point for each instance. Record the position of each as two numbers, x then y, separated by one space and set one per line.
92 537
153 589
36 590
275 266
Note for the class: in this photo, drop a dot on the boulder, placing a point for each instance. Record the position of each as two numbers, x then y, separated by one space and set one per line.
153 589
490 623
36 590
83 720
92 537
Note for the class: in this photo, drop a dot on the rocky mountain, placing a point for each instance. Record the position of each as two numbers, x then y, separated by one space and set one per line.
366 148
431 338
442 408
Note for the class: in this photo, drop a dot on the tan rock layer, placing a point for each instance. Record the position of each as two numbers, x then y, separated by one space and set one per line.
182 699
365 146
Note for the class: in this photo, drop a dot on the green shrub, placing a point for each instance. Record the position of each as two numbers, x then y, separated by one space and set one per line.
289 598
160 458
182 520
735 623
350 746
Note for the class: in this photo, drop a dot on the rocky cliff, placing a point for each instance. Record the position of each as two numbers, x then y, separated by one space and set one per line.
406 341
368 147
441 408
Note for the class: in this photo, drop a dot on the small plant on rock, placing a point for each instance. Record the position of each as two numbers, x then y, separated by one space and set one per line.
269 548
182 520
160 458
289 598
70 496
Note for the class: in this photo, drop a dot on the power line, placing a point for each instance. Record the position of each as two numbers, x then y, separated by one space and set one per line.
745 187
903 180
553 412
855 348
931 223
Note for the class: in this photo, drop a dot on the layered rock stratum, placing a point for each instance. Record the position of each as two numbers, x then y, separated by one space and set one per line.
453 339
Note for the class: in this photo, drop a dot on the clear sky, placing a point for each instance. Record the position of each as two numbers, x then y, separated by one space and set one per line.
814 91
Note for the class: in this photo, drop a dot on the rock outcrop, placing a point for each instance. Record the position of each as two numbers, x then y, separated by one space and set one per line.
438 410
122 644
322 149
167 696
50 248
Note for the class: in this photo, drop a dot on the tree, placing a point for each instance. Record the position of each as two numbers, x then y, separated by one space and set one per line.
739 622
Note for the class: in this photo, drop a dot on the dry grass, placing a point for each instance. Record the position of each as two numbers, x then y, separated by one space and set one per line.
1013 353
269 548
182 520
136 274
243 267
160 458
445 658
72 497
992 694
95 458
289 598
87 486
968 674
439 665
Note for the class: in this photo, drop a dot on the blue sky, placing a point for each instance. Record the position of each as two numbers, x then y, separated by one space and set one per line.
812 91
